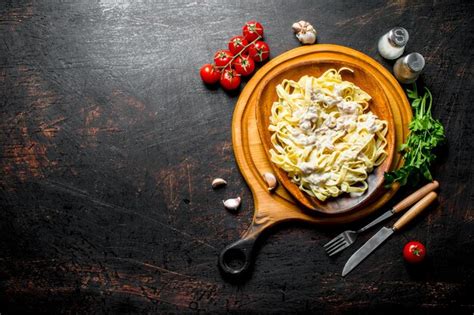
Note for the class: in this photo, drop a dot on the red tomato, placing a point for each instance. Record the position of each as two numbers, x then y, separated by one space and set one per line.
259 51
237 44
222 58
209 74
252 30
414 252
244 65
230 80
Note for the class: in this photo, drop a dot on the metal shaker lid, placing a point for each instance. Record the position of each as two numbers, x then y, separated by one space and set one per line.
398 36
415 62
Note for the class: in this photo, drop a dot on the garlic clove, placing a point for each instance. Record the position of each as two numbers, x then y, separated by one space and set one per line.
218 182
232 204
306 38
296 27
300 26
271 180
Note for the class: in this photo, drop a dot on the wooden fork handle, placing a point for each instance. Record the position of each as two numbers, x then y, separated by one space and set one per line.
414 197
415 210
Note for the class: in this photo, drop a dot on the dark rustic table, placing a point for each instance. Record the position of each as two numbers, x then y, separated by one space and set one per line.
109 142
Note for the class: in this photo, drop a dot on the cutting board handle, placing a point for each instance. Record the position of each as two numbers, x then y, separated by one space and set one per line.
237 258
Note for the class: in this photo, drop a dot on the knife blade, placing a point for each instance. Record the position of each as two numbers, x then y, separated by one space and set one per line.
366 249
385 233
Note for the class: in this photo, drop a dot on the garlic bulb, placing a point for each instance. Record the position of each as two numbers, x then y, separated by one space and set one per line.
218 182
305 32
271 181
232 204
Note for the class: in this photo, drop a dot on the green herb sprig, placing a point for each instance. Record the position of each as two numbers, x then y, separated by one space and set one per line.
426 133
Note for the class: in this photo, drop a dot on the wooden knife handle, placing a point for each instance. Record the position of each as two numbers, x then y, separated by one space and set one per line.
415 210
414 197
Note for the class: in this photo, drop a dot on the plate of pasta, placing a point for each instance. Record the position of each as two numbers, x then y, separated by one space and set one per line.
328 130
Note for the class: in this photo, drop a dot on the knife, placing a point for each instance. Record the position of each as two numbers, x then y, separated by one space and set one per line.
402 205
385 233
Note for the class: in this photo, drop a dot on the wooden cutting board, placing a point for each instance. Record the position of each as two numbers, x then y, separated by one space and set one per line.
279 206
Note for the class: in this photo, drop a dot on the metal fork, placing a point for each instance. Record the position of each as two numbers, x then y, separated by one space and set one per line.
347 238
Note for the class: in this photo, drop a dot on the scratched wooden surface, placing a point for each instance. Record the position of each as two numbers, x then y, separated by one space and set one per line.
109 141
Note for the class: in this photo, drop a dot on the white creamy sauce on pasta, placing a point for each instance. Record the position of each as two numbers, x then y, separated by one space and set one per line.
324 136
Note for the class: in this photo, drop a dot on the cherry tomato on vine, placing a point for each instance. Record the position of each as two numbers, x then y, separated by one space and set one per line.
259 51
414 252
244 65
230 79
209 74
252 30
237 44
222 58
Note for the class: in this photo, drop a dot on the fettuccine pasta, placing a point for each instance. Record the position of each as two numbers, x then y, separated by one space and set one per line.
324 136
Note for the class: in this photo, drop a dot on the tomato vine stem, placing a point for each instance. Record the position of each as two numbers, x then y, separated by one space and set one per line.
237 55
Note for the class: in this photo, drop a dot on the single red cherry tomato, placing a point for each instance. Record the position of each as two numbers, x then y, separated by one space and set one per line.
230 79
244 65
209 74
259 51
237 44
222 58
414 252
252 30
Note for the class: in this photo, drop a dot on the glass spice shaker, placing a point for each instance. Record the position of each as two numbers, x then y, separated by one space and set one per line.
392 44
408 68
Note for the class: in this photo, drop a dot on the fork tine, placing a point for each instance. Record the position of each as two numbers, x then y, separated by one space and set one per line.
334 250
336 244
339 249
337 238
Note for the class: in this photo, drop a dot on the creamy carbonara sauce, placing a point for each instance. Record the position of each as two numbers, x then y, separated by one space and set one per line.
324 136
